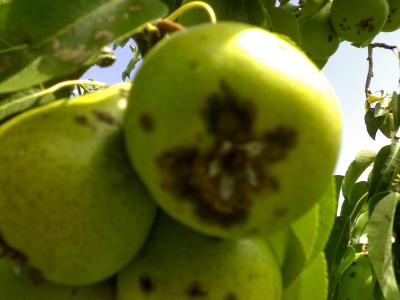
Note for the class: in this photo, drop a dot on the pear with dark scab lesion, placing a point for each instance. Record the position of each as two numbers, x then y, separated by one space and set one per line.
70 203
359 21
181 264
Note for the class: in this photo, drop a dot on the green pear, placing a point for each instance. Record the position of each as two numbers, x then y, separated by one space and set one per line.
359 21
358 281
218 141
318 38
393 19
70 202
178 263
24 286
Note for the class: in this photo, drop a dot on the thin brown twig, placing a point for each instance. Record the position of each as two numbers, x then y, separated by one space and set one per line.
370 73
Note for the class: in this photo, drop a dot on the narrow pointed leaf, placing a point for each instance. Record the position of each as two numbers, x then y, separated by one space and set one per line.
361 162
380 232
385 168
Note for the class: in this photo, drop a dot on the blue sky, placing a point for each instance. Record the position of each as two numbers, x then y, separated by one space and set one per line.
346 70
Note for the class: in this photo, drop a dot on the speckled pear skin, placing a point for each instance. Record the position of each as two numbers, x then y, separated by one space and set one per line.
218 142
70 201
359 21
319 39
393 19
178 263
358 281
24 286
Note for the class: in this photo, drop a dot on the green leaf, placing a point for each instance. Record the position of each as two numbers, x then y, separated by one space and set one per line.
337 245
22 101
335 273
295 259
76 42
385 168
311 7
396 111
373 123
4 10
284 22
126 74
351 205
359 228
327 207
312 283
380 232
361 162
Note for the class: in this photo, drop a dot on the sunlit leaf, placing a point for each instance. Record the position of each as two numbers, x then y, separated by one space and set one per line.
361 162
380 233
385 168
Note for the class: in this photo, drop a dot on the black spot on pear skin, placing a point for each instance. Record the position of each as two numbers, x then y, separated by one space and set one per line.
146 122
146 284
81 120
196 291
231 296
104 116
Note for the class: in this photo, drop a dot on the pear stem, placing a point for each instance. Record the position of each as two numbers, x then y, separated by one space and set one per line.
195 4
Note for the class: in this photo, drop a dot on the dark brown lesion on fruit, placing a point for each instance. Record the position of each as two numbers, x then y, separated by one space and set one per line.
366 24
220 181
9 252
195 290
146 284
231 296
146 122
104 116
81 120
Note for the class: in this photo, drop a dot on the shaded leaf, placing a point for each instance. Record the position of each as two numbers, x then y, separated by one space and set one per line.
360 190
337 243
22 101
311 7
361 162
396 111
75 44
373 123
312 283
359 228
380 232
327 207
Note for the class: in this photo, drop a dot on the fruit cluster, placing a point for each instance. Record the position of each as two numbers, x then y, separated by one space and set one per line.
209 178
317 29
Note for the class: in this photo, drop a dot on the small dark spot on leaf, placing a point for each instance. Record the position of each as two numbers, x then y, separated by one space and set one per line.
146 284
330 38
146 122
